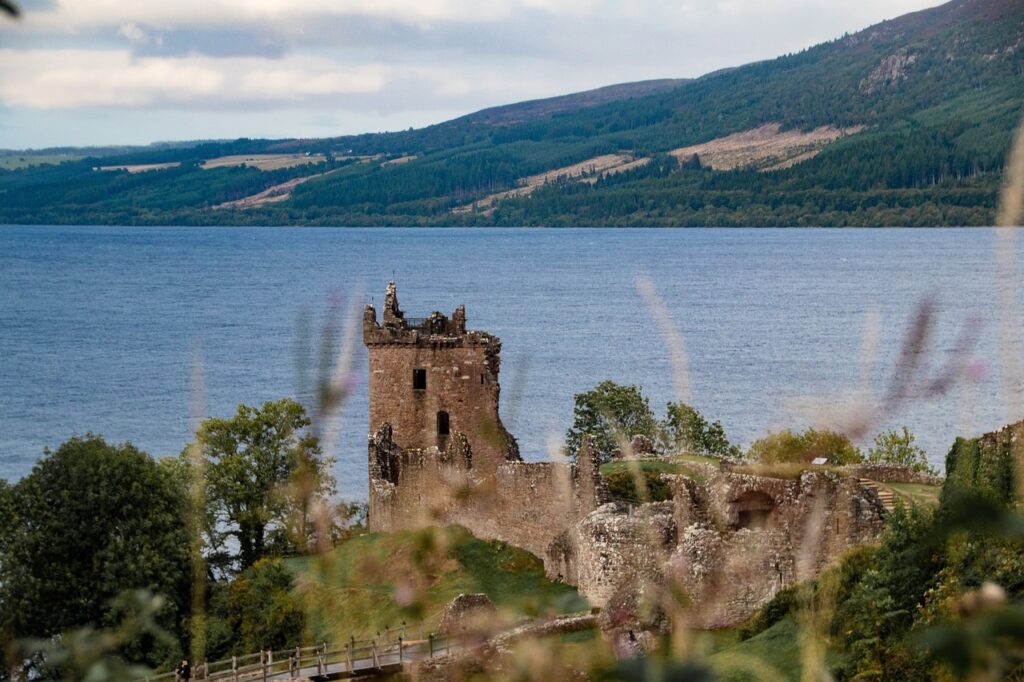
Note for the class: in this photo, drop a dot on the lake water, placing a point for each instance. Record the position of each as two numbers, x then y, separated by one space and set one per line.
100 328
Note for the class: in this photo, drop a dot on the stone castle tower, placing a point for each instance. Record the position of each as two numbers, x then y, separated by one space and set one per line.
431 379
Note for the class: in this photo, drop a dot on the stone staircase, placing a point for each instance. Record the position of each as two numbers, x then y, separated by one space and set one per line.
884 494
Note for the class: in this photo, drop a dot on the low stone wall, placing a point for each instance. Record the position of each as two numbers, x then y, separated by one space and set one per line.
892 473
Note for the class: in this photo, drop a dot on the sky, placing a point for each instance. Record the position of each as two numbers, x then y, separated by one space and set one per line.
95 72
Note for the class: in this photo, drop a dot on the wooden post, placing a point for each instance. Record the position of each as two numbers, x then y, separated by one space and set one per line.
376 664
430 644
234 667
348 656
264 657
400 659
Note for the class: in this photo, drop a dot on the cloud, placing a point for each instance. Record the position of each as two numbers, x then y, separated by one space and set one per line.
70 79
390 63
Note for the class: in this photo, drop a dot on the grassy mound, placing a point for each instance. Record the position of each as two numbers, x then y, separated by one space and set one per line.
621 478
382 579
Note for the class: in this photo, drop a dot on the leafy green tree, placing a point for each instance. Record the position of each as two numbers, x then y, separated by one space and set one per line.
92 520
897 447
610 414
686 429
786 446
264 474
263 610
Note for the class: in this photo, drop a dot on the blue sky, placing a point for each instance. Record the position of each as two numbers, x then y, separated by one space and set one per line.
88 72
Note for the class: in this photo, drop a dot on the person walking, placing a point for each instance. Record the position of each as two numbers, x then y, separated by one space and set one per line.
183 672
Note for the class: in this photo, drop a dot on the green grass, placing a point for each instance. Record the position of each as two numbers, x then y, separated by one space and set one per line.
621 479
770 655
696 459
382 579
773 654
915 493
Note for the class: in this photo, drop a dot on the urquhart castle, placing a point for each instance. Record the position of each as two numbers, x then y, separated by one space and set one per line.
439 454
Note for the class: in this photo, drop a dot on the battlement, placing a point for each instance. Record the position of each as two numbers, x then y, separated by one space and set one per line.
433 331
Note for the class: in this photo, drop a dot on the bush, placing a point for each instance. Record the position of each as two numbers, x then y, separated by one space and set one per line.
623 486
786 446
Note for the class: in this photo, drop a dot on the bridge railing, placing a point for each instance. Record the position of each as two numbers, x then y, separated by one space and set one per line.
390 646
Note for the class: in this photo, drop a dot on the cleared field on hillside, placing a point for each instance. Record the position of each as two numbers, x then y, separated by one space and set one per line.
16 161
585 171
401 160
271 195
141 167
766 148
266 162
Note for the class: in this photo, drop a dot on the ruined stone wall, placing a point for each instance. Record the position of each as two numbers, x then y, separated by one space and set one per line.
882 472
731 543
614 545
524 504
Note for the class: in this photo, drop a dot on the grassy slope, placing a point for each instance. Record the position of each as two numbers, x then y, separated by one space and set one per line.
914 493
381 579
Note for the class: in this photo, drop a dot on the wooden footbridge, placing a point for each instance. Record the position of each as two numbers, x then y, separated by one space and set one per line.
384 654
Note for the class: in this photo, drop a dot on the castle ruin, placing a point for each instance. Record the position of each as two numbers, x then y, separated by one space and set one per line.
439 454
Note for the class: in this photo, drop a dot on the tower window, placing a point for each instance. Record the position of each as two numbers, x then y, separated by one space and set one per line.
419 379
442 423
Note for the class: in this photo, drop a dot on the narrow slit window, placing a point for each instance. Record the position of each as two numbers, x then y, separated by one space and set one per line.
419 379
481 379
443 426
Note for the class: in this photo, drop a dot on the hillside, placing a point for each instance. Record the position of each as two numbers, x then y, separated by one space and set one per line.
904 123
379 580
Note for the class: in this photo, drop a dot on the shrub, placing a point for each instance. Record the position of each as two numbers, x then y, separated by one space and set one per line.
786 446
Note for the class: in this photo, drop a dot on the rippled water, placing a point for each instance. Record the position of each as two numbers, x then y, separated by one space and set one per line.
99 327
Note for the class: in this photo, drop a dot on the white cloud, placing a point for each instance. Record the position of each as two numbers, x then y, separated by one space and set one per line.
76 15
403 61
69 79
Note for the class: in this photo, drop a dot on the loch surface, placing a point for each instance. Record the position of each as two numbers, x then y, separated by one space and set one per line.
103 329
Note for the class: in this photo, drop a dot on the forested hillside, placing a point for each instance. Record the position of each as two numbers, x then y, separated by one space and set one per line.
905 123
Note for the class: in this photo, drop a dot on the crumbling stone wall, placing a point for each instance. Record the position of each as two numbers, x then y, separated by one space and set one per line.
524 504
615 544
882 472
731 543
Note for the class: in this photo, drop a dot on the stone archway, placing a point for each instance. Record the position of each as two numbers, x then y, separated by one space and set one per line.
753 509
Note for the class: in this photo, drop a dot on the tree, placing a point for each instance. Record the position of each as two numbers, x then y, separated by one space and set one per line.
686 429
262 609
610 414
91 521
897 447
264 475
786 446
